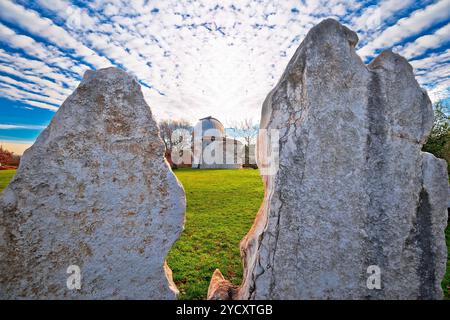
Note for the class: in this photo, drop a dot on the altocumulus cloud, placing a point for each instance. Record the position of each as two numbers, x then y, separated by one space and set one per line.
196 58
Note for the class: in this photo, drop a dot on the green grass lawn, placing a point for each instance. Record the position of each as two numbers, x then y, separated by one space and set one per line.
221 206
5 177
446 281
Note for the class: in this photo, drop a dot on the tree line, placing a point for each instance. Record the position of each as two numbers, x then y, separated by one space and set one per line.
438 142
245 131
8 159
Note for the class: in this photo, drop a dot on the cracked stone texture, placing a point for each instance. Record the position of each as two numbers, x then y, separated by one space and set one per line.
93 191
353 188
220 288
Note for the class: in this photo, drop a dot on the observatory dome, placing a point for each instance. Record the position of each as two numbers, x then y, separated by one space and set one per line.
210 123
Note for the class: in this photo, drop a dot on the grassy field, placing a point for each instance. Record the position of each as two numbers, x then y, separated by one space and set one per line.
221 206
5 177
446 281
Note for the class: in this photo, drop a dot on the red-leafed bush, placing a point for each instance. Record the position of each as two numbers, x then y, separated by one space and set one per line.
8 158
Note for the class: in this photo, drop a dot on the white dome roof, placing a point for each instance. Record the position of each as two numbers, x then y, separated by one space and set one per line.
210 123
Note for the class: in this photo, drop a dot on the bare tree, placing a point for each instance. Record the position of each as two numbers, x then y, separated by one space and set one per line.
5 155
8 158
245 129
171 140
438 142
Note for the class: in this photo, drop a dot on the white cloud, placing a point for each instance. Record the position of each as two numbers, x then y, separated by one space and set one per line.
50 55
26 79
32 22
15 93
409 26
432 60
27 127
429 41
198 61
373 17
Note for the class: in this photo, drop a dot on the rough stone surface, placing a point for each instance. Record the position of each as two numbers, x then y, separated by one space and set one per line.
93 191
353 188
220 288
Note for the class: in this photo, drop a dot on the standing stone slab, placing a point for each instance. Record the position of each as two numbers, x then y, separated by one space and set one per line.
93 191
353 188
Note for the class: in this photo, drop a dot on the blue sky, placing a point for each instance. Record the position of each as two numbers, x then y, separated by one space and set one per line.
193 58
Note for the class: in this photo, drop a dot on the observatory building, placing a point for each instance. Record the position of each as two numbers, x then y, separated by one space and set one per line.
212 149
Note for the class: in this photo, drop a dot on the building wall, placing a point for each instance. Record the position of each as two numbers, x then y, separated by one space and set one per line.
231 157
